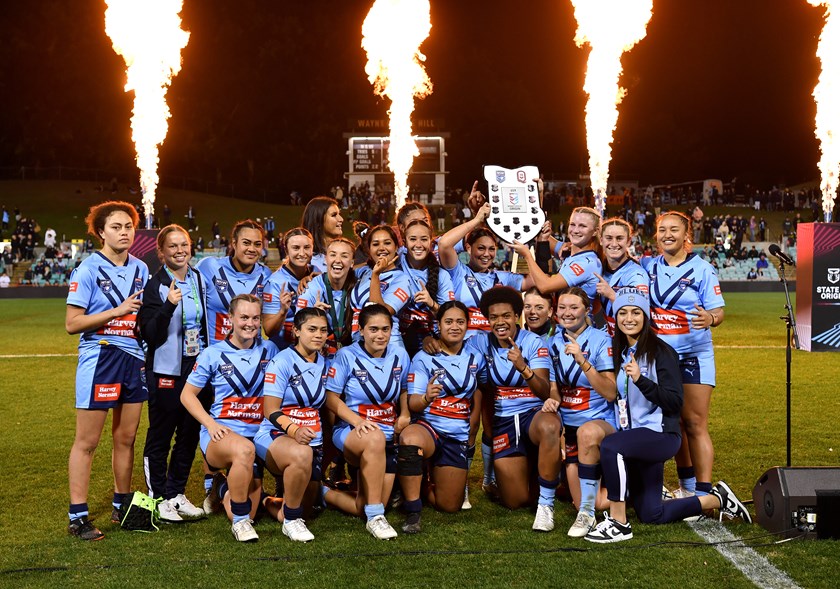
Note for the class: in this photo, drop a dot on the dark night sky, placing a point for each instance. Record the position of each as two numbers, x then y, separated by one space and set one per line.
718 88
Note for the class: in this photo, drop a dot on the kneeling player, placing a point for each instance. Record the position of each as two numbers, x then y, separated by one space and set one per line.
441 388
235 367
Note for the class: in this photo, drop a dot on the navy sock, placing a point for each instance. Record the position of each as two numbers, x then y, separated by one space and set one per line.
413 506
240 510
223 488
77 511
703 488
292 513
208 482
120 499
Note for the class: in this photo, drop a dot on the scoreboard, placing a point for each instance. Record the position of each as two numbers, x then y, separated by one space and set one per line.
369 155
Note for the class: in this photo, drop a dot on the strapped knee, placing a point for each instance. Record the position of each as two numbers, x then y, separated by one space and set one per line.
409 461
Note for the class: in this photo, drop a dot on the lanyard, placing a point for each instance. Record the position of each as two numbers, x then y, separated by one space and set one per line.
193 296
337 321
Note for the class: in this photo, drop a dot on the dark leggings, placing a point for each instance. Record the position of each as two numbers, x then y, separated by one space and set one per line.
168 418
633 463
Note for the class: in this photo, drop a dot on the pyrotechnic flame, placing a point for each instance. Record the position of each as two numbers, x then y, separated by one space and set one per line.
148 35
391 35
611 27
827 98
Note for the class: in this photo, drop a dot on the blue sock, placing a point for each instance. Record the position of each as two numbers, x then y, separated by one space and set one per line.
547 490
240 510
374 509
688 481
487 457
120 498
588 475
292 513
470 456
208 482
414 506
703 488
77 511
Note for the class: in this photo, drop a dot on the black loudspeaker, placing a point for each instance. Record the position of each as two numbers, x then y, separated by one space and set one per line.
799 500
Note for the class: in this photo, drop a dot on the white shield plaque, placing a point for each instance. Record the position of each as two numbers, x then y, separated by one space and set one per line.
515 211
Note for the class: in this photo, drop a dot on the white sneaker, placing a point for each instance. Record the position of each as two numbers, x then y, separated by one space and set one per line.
583 525
296 530
380 528
544 522
168 513
466 505
666 493
243 531
186 509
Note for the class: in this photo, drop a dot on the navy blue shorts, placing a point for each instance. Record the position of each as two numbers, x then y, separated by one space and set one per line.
340 434
510 434
698 368
448 451
107 376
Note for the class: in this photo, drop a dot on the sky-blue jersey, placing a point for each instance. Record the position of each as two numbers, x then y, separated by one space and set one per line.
271 303
579 402
300 386
416 319
674 290
99 285
394 286
513 395
222 282
579 270
629 274
448 414
237 378
470 285
370 386
316 291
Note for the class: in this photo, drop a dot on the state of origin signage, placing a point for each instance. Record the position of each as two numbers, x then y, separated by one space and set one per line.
818 286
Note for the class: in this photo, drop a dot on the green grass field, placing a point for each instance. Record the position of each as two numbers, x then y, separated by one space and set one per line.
488 546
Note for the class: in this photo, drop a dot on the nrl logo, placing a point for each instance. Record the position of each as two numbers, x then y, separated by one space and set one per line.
834 275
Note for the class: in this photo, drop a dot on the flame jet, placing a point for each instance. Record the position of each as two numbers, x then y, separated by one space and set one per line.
827 98
611 27
148 35
391 35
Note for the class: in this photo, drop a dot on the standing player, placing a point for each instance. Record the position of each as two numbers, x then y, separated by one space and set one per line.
235 368
280 292
441 388
583 388
370 377
330 292
686 302
322 218
290 440
517 380
384 284
172 322
620 270
582 264
647 413
429 285
102 306
239 273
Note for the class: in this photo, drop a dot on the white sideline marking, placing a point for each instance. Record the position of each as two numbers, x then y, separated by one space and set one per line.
754 567
749 347
10 356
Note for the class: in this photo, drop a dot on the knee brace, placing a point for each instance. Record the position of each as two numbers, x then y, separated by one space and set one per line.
409 460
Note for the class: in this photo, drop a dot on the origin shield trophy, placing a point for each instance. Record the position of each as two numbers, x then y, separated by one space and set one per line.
515 209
